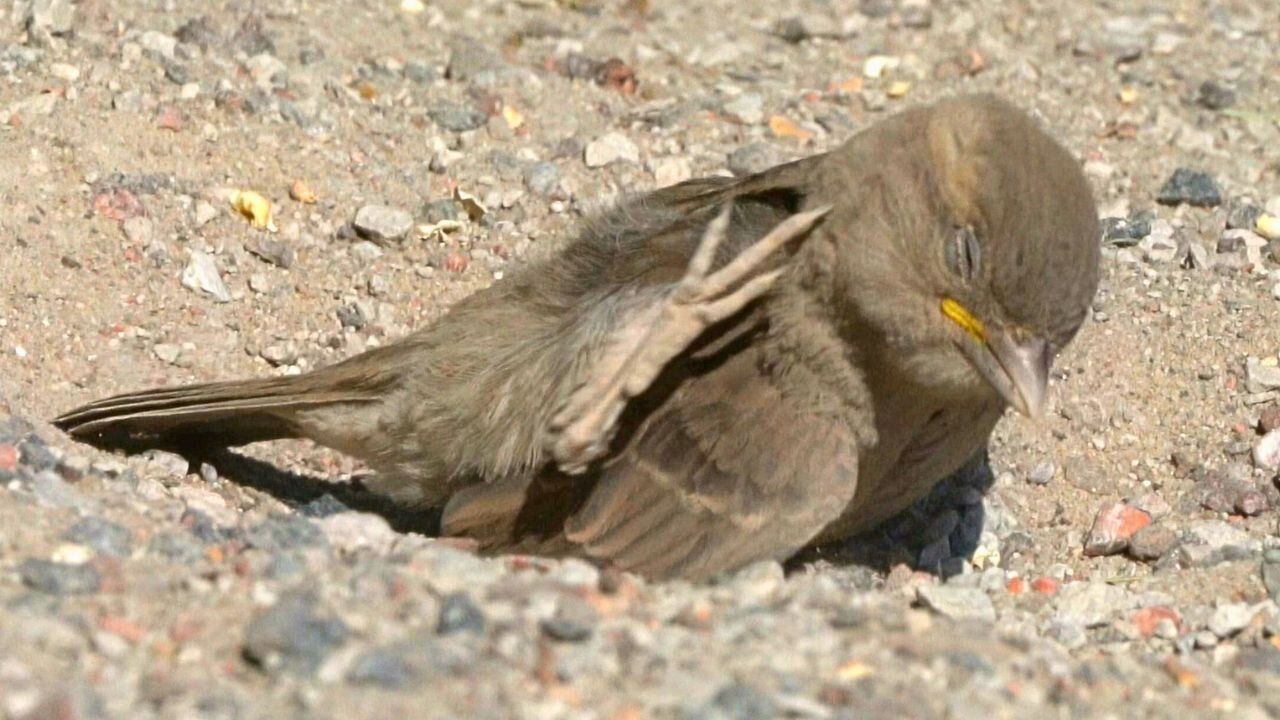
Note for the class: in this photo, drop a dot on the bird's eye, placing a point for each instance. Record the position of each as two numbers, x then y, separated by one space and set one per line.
964 255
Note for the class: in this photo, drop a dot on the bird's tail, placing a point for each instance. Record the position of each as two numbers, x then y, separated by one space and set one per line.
226 414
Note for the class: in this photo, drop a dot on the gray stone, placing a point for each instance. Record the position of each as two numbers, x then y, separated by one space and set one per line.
457 118
573 621
57 578
460 614
1090 604
103 536
53 16
1152 542
958 603
382 667
380 223
1190 187
276 252
201 276
293 636
1271 573
542 178
1261 378
138 230
753 158
736 701
1231 618
747 107
610 148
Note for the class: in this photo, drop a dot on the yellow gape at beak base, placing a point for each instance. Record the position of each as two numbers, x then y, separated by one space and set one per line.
965 319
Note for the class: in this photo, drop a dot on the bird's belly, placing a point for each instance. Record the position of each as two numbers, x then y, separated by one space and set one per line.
911 457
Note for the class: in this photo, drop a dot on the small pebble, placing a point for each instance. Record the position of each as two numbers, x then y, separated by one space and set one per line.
382 224
1190 187
610 148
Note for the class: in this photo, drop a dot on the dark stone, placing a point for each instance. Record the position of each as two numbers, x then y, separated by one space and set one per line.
323 506
59 578
457 118
1152 543
352 316
252 38
36 455
274 251
200 32
292 636
574 621
103 536
736 701
1242 215
1190 187
439 210
459 614
542 178
286 532
1215 96
383 668
181 548
1124 232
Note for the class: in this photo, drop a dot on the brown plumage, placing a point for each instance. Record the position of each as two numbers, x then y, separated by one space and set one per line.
684 388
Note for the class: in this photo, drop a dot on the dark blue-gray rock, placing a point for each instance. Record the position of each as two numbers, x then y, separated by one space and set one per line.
36 454
736 701
459 614
57 578
286 532
382 224
1190 187
1242 215
1124 232
382 667
457 118
52 491
573 621
542 178
293 636
276 252
441 210
1215 96
323 506
103 536
180 548
1271 573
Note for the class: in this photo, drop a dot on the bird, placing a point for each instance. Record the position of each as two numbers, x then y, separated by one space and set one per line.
722 371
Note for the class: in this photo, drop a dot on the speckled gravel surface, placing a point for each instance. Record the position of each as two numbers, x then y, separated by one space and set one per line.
412 153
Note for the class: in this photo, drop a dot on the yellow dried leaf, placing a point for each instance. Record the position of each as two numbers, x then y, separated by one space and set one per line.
412 6
253 207
1129 95
512 116
1268 226
854 670
898 88
302 193
782 127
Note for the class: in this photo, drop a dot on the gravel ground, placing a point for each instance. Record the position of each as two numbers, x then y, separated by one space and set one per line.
1129 566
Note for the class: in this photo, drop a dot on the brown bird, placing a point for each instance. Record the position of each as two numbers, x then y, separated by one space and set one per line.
714 373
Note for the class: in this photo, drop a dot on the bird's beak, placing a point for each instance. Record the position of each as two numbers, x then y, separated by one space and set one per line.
1017 367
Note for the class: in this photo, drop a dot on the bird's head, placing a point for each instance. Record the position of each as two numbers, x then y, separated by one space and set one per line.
996 230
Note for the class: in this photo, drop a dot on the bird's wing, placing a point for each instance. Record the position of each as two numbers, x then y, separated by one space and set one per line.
724 471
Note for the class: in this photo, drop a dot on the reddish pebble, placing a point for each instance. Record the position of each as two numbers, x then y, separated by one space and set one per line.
456 262
8 457
1016 586
1146 619
1112 529
121 628
1045 586
170 118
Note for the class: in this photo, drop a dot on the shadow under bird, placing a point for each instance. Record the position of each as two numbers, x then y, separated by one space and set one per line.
722 371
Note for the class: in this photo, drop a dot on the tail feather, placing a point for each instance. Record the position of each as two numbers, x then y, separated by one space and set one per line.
218 414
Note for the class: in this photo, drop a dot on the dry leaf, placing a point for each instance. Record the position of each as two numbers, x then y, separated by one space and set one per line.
784 128
302 193
253 207
854 670
513 117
